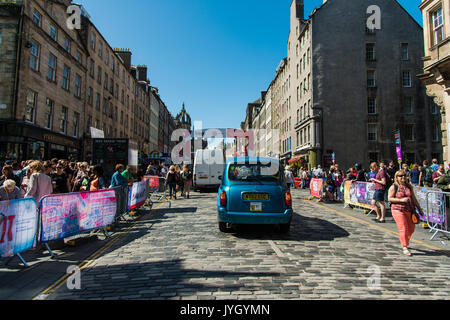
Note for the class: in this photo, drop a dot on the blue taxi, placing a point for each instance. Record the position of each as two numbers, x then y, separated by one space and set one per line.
254 191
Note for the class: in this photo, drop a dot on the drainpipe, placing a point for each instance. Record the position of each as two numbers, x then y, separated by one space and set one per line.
18 60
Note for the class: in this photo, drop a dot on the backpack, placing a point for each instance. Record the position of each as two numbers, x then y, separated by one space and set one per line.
330 180
428 174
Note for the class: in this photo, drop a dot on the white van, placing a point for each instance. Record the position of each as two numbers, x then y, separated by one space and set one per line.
209 165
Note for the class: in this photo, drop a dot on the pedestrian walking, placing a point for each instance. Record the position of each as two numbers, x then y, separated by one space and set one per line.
40 183
426 175
180 183
414 175
404 205
171 182
331 183
186 175
380 190
289 176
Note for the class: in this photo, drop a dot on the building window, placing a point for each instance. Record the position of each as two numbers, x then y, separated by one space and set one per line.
76 123
97 101
53 33
100 49
77 86
67 45
91 68
90 97
437 24
372 106
409 132
372 132
93 40
49 114
106 82
99 75
31 106
34 56
406 79
370 51
52 68
66 78
436 132
37 18
405 53
79 57
371 79
63 122
105 105
408 106
111 86
107 57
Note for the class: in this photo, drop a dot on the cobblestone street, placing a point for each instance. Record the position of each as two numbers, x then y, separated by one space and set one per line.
179 253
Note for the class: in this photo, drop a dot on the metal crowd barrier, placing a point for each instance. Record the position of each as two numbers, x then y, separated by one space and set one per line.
122 202
158 191
436 215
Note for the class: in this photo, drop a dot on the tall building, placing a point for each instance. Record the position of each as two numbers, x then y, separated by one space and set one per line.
43 79
345 89
58 83
436 74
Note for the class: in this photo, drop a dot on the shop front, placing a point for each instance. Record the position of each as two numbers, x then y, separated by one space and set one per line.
24 141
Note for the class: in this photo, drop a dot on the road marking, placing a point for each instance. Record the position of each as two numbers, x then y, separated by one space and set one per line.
379 227
276 249
54 287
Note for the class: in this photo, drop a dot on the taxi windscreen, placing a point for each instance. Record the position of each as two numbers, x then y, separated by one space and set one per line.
255 172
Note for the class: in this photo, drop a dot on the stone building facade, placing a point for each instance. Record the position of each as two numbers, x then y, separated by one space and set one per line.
436 74
345 89
58 83
45 107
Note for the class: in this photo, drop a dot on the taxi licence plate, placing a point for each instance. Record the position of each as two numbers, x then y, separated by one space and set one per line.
256 197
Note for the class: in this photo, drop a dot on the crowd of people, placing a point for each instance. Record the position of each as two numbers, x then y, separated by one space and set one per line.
37 179
393 186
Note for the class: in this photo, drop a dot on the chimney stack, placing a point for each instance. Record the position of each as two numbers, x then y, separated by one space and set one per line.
142 73
125 55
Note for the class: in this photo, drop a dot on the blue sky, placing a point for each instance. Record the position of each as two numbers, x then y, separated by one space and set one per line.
216 56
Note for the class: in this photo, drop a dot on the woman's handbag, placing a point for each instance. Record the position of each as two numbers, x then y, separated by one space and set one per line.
415 217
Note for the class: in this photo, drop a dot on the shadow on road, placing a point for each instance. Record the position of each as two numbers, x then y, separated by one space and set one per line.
163 279
302 229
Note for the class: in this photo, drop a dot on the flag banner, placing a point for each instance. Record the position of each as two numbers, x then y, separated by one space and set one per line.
18 226
66 215
153 181
137 195
434 207
359 194
316 187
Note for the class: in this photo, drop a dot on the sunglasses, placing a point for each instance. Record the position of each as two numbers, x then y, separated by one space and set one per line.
401 176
